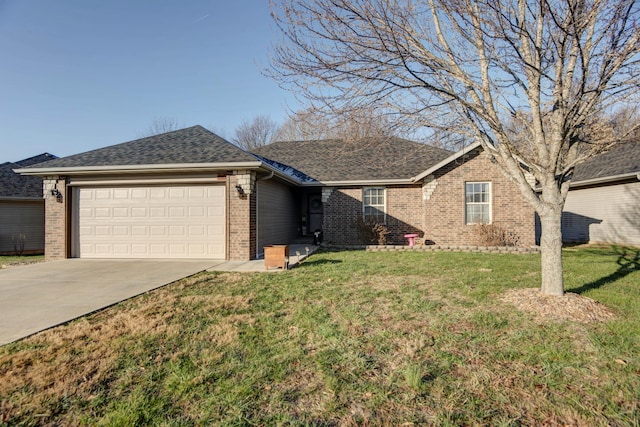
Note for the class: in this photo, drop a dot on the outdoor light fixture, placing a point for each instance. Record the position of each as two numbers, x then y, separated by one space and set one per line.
55 192
240 189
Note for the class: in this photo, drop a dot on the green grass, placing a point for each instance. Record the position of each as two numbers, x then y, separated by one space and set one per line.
14 260
347 338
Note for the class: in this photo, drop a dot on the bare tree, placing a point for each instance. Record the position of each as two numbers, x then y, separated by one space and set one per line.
303 126
552 64
624 121
352 125
161 125
259 131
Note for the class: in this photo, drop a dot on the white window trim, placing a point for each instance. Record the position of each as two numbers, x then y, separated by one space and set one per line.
384 206
466 221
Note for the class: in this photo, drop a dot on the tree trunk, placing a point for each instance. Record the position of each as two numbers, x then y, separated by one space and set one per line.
551 252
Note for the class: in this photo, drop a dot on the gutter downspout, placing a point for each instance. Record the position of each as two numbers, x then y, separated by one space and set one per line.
264 178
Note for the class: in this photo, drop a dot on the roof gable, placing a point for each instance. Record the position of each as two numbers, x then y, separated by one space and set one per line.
363 160
191 145
451 158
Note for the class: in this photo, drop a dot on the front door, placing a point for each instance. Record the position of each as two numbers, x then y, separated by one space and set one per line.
315 212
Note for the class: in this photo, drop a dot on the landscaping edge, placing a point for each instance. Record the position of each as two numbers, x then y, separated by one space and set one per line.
438 248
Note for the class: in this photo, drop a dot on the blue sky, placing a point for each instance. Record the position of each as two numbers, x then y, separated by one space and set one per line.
76 75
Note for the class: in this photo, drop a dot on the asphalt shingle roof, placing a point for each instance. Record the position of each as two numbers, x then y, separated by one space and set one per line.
16 185
325 161
622 159
335 160
40 158
191 145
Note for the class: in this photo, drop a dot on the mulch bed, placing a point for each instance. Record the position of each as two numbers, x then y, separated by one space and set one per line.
548 308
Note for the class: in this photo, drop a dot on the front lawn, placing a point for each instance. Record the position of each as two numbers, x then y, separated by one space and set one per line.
347 338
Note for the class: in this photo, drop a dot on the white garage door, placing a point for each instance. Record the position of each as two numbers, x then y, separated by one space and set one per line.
150 222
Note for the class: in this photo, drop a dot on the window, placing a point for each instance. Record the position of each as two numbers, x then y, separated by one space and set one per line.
477 202
373 204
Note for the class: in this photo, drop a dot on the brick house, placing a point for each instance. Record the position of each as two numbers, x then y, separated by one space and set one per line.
191 194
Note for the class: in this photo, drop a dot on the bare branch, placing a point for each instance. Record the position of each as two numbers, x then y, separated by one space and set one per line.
161 125
259 131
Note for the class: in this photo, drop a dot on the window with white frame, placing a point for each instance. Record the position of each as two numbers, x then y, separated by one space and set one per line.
477 200
373 203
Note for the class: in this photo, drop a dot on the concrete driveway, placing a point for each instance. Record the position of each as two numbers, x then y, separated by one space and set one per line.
39 296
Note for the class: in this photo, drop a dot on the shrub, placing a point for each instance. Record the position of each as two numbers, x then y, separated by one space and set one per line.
494 235
18 241
371 232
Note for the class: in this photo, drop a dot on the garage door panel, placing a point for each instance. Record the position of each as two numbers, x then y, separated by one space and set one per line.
178 249
102 230
121 230
197 211
151 222
139 193
158 193
120 212
177 193
121 249
102 194
177 230
138 230
120 193
102 212
177 212
139 212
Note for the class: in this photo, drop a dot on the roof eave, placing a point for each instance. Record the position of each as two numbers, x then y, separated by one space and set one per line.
359 183
135 169
606 179
446 161
163 168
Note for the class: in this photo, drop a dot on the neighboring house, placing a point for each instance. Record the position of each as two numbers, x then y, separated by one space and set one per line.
191 194
21 208
603 204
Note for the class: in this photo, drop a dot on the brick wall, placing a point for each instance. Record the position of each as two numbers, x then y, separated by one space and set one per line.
55 224
444 213
241 216
404 213
434 209
343 208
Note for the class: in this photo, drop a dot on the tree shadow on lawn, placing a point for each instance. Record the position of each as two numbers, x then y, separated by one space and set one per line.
628 261
318 262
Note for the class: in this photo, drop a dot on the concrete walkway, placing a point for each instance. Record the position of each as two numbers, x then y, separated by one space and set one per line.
297 253
39 296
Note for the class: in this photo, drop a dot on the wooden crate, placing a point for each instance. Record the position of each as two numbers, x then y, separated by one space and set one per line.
276 256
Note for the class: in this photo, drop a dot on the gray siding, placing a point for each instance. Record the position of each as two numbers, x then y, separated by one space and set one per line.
278 215
608 214
22 218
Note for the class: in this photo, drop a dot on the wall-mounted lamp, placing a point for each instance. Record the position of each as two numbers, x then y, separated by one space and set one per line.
240 189
55 192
